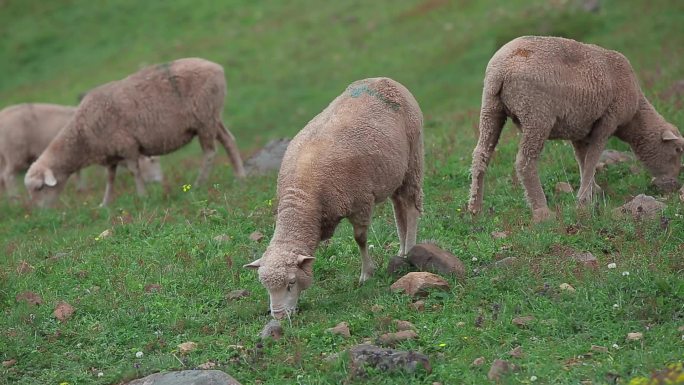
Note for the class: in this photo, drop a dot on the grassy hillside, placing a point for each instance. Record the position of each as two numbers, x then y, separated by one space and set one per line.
285 61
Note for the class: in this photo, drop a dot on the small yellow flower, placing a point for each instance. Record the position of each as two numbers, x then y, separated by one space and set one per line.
187 187
442 345
64 383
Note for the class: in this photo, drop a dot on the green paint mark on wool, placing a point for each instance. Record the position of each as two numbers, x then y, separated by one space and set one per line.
360 90
166 68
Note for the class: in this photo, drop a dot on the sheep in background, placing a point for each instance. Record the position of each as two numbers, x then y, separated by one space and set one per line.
151 112
365 147
27 129
555 88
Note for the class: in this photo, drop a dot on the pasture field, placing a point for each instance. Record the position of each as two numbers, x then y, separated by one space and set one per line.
161 279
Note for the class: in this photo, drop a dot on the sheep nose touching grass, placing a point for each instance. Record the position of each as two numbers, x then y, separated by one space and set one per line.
365 147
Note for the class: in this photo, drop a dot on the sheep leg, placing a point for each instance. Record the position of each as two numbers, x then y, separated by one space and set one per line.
109 189
492 119
581 154
360 223
530 148
412 215
80 182
134 167
228 141
10 182
401 222
209 150
588 186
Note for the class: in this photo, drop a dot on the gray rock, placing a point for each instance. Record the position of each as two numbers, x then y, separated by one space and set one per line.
272 330
398 266
506 262
429 257
585 259
237 294
386 360
498 369
610 157
187 377
268 159
642 206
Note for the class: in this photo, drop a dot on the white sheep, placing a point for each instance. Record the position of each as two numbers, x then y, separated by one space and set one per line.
555 88
27 129
151 112
365 147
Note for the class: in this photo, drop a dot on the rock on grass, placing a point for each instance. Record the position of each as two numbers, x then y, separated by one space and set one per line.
391 339
642 206
419 283
183 377
385 360
498 369
63 311
341 329
430 257
272 330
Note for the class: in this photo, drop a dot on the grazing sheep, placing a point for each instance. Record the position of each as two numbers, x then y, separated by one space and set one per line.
27 129
151 112
555 88
365 147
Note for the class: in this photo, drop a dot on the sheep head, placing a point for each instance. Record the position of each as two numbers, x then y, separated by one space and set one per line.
43 185
285 277
150 168
665 158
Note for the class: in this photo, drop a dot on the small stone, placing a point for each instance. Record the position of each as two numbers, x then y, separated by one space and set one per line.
642 206
29 297
636 336
341 329
522 321
418 305
506 262
385 360
563 187
404 325
139 354
585 258
436 383
207 365
479 361
272 330
24 267
63 311
377 308
612 265
430 257
222 238
599 349
517 352
187 347
153 288
498 369
267 159
460 324
238 294
9 363
398 266
567 287
256 236
419 283
681 328
499 234
391 339
196 377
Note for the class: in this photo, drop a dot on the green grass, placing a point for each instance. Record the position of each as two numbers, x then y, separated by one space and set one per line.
285 61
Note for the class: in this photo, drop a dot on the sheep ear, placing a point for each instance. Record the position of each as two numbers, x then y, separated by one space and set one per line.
253 265
303 260
50 178
669 135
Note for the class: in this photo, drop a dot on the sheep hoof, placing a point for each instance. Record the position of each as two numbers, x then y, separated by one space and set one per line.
365 276
542 215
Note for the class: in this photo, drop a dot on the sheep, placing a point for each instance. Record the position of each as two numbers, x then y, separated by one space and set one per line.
366 146
151 112
27 129
556 88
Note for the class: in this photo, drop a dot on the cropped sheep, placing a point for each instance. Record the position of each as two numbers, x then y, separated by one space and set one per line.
151 112
365 147
27 129
555 88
